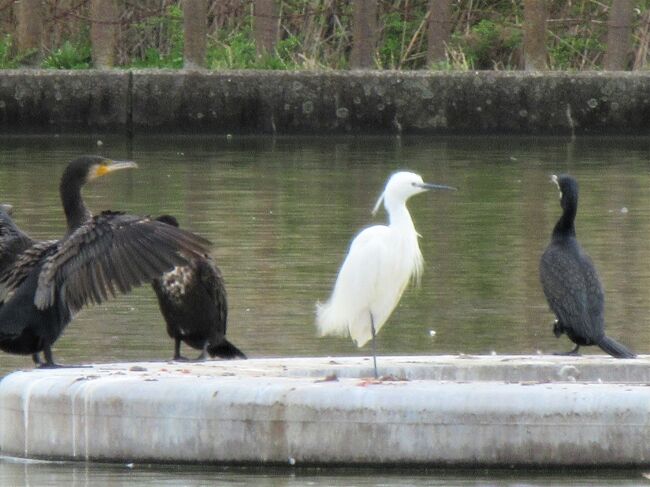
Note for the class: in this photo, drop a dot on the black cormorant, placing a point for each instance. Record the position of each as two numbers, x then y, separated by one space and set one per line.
571 284
193 302
99 257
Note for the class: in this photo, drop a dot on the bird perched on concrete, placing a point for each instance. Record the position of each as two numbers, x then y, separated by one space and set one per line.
98 257
570 281
376 271
193 301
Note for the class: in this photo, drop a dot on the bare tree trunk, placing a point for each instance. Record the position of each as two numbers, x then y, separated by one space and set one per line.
619 29
534 35
195 30
266 26
364 26
29 17
103 32
439 30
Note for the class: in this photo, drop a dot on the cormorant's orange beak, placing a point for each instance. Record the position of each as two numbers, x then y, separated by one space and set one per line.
111 166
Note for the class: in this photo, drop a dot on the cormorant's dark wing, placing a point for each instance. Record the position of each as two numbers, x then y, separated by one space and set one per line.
595 293
112 253
209 275
9 232
12 277
13 241
569 294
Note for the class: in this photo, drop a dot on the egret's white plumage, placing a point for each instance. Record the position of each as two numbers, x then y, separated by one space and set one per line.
377 269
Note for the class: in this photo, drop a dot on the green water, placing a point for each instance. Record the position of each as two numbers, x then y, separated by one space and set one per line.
282 211
29 473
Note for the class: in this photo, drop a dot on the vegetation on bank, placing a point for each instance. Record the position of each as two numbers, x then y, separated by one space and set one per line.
317 34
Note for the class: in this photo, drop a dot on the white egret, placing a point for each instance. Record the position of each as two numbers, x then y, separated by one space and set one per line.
376 271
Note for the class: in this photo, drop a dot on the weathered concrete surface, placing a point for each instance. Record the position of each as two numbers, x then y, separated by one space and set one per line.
63 101
329 102
283 411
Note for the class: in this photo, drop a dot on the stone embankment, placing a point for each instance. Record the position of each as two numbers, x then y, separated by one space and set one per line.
330 102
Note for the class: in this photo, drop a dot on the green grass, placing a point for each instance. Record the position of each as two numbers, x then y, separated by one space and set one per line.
69 56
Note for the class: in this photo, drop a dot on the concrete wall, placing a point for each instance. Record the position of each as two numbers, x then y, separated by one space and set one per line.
274 102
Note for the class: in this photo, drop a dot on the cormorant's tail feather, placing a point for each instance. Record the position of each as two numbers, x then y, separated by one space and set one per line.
225 349
615 349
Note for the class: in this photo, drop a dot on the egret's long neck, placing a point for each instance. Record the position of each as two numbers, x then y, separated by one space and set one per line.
400 220
399 216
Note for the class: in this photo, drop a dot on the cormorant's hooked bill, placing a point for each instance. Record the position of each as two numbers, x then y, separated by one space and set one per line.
108 166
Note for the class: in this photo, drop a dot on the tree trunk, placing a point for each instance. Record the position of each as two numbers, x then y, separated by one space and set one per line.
29 17
364 27
195 30
266 26
619 29
103 32
439 30
534 35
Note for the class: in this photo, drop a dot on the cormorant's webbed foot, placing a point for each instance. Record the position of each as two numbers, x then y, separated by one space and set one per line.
61 366
572 353
180 358
202 358
49 360
49 366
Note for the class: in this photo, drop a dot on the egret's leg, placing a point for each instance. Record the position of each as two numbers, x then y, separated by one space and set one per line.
374 345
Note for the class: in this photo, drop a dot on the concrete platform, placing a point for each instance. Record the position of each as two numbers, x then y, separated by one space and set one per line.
443 410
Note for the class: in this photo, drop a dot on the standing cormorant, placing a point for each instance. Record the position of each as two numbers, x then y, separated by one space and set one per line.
192 300
98 257
571 284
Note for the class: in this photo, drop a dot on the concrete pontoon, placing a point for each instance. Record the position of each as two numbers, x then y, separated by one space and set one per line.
433 411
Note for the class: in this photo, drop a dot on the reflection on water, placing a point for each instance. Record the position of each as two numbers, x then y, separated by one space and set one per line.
29 473
282 211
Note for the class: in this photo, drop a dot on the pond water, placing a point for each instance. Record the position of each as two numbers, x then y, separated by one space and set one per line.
282 211
58 474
